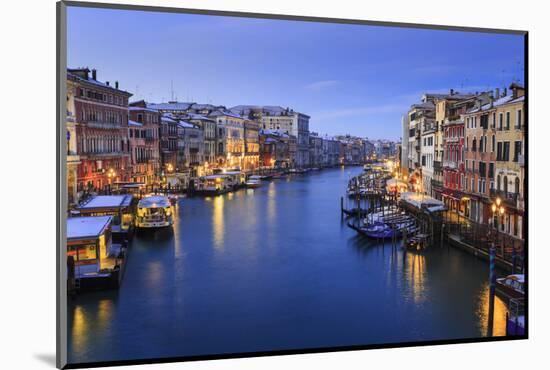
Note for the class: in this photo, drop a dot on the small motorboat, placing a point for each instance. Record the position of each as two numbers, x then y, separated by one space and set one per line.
512 286
253 182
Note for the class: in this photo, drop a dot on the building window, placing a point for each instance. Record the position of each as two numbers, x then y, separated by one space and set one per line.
517 150
506 151
500 121
507 120
518 119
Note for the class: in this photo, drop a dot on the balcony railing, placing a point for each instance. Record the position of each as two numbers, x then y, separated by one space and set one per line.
437 166
510 198
101 124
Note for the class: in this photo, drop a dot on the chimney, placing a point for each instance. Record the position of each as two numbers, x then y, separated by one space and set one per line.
107 83
94 74
497 93
505 92
116 85
452 91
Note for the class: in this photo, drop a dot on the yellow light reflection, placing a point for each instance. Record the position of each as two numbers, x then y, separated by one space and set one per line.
499 319
79 330
218 222
416 270
271 203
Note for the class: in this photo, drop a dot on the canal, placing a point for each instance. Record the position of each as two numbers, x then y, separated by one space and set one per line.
275 268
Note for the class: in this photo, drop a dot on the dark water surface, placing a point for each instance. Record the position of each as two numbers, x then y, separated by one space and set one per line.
275 268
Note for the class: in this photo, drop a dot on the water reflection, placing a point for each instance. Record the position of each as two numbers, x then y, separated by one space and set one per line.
499 319
277 268
218 222
415 275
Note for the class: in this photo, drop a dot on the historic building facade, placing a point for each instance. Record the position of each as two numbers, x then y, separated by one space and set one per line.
144 141
101 127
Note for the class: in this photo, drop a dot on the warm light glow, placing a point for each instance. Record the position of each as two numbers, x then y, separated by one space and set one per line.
501 210
494 208
498 202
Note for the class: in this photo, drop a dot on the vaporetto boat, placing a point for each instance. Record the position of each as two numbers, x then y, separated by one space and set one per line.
154 212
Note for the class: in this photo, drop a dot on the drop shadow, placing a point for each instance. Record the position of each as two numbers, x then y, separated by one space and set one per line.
46 358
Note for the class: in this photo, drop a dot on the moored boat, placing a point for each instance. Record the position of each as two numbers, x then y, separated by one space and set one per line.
253 181
154 212
511 286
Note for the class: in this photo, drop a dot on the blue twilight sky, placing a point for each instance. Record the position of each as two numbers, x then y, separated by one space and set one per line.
352 79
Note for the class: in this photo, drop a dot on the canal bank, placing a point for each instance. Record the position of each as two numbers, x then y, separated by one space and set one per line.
276 268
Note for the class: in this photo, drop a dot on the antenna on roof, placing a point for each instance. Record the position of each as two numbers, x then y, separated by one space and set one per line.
172 89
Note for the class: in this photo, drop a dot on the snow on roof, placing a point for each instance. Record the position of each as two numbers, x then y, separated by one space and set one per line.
95 82
170 106
198 117
166 118
421 200
186 124
134 123
132 108
107 201
154 201
508 99
87 227
226 113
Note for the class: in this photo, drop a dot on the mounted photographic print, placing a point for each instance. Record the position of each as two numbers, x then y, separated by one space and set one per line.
235 184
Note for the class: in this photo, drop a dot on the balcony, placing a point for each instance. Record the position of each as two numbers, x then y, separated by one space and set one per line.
438 166
104 125
507 197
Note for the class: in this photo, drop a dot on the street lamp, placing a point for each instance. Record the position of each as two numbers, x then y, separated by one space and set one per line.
498 210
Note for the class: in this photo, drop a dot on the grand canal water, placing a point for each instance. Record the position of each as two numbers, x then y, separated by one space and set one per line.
275 268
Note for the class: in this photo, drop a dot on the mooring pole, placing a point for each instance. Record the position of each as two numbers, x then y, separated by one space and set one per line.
514 256
341 206
492 281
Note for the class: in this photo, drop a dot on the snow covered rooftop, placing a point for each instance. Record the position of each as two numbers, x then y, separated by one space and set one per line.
170 106
508 99
87 227
107 201
186 124
422 201
134 123
95 82
131 108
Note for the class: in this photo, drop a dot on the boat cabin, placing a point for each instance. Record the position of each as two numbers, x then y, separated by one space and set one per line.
119 207
89 244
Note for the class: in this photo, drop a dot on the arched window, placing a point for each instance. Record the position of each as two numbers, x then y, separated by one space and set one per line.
474 146
517 186
498 182
505 184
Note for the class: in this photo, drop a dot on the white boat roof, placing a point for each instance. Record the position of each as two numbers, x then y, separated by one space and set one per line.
217 176
518 277
154 201
108 201
418 200
87 227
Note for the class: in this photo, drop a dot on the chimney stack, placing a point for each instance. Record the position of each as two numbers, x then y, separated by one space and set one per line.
505 92
116 85
94 74
497 93
107 83
452 91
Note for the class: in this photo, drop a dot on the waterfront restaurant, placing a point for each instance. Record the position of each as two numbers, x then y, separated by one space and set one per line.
89 251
